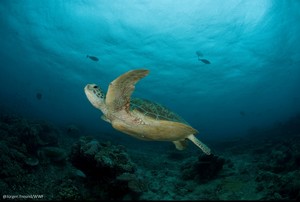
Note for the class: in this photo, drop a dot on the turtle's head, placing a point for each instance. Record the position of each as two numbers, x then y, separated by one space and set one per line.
95 95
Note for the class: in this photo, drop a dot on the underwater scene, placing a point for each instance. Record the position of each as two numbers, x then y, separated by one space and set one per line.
149 100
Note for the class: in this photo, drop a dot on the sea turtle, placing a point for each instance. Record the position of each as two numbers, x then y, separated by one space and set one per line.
140 118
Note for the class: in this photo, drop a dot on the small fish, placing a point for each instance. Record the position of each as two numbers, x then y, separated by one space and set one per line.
205 61
39 96
92 57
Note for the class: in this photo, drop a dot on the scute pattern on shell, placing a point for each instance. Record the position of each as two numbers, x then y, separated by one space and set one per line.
155 110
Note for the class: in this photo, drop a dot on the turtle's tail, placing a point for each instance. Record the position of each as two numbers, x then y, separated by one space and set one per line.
200 144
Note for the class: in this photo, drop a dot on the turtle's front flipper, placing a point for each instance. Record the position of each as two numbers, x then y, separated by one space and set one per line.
200 144
180 144
104 118
120 89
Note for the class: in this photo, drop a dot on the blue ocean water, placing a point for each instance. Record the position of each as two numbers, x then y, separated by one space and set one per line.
253 47
226 67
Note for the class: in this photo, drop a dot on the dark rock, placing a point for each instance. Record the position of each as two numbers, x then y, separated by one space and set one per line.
54 154
206 168
105 166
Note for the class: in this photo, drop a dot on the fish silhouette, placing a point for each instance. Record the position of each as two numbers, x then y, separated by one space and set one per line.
94 58
205 61
38 96
200 57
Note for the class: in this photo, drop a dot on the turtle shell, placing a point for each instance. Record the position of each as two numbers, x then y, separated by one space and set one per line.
154 110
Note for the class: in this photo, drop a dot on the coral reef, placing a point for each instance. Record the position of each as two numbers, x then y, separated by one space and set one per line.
21 141
28 151
38 158
88 154
134 183
107 167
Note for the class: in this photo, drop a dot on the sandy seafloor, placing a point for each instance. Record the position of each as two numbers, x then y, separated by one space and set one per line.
41 161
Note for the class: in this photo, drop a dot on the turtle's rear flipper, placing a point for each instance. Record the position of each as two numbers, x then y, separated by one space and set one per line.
181 144
200 144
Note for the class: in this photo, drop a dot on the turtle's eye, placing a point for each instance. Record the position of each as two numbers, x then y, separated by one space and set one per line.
95 86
